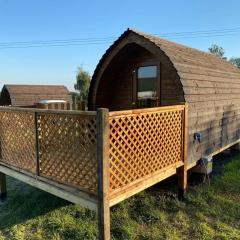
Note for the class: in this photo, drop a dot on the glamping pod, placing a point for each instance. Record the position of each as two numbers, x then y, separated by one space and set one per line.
30 95
169 105
141 70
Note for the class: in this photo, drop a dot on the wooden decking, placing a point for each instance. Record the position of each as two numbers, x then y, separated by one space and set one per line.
96 159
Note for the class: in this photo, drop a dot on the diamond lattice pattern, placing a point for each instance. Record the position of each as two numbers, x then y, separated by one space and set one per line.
17 140
67 149
141 144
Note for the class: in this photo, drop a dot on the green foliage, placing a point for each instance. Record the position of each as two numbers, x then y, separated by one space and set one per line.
209 212
75 96
83 79
217 51
235 62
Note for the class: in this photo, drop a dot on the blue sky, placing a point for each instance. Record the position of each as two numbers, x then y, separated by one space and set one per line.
29 20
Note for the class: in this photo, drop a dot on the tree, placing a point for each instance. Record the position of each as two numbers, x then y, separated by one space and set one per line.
217 51
75 96
83 79
235 61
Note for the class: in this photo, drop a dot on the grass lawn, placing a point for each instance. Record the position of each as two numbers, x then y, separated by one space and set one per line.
209 212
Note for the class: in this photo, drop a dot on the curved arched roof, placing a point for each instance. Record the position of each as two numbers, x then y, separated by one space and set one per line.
200 73
28 95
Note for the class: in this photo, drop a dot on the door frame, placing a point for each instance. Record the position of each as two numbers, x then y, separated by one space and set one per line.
135 81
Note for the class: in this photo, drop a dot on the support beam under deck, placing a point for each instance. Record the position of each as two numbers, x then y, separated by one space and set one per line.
60 190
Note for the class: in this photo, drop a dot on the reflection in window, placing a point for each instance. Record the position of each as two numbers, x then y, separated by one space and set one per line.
147 82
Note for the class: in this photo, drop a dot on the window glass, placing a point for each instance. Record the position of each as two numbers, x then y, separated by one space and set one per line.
147 81
147 72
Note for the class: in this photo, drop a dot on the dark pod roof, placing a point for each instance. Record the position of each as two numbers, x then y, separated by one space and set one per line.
200 73
28 95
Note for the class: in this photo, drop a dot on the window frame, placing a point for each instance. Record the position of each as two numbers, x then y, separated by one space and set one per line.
135 82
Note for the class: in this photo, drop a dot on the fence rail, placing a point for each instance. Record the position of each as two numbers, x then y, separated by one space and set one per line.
143 143
108 157
60 145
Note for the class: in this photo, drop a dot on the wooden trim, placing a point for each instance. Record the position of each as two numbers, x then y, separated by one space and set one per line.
47 111
159 84
145 110
224 148
134 89
68 193
193 164
49 179
143 184
142 180
103 173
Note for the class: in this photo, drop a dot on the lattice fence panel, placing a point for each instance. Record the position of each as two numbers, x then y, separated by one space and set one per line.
67 149
17 140
143 143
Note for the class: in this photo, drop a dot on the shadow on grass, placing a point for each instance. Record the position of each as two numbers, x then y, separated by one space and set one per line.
25 202
169 186
209 212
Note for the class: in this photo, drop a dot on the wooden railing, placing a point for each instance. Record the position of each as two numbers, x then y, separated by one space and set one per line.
107 156
144 144
59 145
62 145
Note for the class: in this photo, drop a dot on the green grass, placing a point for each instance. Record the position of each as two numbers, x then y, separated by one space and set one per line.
209 212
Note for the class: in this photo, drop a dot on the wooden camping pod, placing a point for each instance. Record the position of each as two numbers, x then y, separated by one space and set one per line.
30 95
210 86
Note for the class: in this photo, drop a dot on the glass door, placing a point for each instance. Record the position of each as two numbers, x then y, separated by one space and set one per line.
147 86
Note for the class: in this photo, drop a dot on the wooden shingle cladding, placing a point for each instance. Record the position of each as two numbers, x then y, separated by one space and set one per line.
29 95
210 86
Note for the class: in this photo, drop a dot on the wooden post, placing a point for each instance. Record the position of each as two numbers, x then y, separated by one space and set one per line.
103 173
3 188
182 171
37 145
